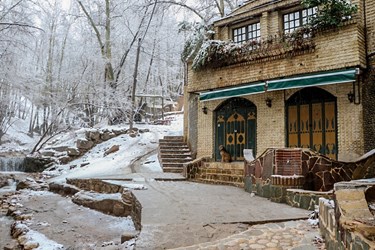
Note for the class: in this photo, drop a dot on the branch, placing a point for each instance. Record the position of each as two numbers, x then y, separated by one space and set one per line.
184 6
92 23
14 6
21 25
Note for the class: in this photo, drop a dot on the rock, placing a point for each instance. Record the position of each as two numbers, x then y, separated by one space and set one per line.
29 183
133 134
30 245
17 229
93 135
12 245
63 188
73 152
64 159
84 144
60 148
35 164
128 235
119 131
107 135
112 149
3 181
146 130
105 203
48 153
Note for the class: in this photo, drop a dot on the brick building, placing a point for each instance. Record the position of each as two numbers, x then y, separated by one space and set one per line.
308 90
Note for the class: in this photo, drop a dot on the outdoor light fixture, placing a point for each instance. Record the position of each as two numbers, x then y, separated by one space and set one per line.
269 102
204 109
351 96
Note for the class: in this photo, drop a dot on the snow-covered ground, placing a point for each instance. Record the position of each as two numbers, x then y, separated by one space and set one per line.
94 163
116 163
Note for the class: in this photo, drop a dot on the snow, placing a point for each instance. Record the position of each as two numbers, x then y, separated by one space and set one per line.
16 138
117 163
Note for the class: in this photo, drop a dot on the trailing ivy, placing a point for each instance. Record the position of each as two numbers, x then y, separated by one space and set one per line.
331 13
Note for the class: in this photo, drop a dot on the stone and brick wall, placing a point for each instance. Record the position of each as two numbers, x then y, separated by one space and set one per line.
346 221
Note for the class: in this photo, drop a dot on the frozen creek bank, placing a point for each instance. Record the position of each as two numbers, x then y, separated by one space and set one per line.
50 221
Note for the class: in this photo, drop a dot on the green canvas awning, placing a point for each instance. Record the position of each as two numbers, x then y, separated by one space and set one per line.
316 79
254 88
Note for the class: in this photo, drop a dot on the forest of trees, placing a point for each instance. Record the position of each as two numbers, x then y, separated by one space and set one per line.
66 64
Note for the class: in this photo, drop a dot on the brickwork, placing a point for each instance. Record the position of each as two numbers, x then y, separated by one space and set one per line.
334 50
369 86
338 48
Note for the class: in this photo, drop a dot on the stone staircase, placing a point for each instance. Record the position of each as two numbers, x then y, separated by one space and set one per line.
173 153
221 173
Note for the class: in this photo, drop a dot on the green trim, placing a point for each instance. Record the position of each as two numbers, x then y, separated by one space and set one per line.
254 88
323 78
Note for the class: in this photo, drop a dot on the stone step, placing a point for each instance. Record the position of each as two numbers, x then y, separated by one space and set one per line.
161 141
169 146
172 138
168 156
173 165
175 151
176 160
173 170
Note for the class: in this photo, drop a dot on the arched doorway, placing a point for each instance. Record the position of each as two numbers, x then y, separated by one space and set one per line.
235 127
311 121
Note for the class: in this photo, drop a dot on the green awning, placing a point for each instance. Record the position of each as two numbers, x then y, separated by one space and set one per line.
316 79
321 78
254 88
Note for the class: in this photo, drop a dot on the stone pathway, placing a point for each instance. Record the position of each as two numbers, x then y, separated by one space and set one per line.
202 216
291 235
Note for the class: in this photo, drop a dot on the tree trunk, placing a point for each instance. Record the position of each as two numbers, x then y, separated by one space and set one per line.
132 113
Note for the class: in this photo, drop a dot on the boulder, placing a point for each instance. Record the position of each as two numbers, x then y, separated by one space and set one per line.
84 144
33 164
112 149
128 235
64 159
93 135
48 153
59 148
3 180
107 135
73 151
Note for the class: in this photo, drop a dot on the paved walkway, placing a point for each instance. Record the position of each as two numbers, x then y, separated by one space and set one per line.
201 216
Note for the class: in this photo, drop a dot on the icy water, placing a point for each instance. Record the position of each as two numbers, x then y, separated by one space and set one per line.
11 164
5 237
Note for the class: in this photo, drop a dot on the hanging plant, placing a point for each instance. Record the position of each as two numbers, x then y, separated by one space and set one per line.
331 13
215 53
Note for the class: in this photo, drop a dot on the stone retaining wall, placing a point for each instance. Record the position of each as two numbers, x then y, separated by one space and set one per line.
134 207
346 222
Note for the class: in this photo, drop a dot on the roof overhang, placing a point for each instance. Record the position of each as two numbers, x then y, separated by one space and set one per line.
308 80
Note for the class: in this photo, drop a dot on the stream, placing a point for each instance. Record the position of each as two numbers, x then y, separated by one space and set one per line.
11 164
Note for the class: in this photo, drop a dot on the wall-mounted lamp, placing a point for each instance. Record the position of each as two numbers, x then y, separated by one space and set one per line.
269 102
351 96
204 110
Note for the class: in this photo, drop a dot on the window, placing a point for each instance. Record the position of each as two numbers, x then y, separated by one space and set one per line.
249 32
294 20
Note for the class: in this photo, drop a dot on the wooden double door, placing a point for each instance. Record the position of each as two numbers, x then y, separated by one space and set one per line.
235 122
311 121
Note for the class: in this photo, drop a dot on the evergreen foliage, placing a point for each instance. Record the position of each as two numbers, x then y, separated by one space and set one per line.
331 13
